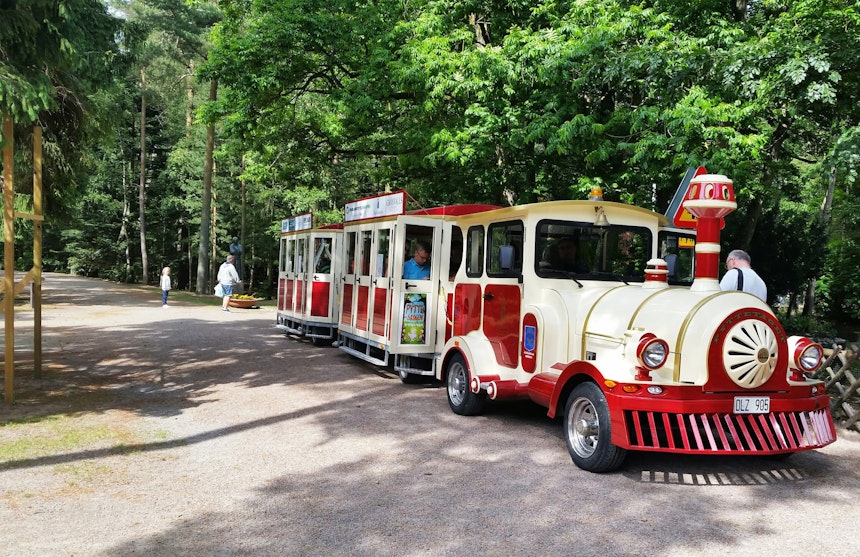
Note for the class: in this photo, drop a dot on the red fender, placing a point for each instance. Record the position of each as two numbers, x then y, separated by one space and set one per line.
546 389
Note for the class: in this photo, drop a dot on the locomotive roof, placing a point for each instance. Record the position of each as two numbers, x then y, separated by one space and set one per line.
584 210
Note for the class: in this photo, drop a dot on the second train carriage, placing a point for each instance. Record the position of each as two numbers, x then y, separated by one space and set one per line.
598 311
308 301
385 318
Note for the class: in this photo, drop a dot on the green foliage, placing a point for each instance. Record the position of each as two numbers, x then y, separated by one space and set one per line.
323 102
812 327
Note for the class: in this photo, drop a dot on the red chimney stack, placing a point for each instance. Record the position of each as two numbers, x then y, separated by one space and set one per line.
710 197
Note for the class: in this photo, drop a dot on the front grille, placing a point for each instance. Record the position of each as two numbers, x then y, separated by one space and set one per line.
729 433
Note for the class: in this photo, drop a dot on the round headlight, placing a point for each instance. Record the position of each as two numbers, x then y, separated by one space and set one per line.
811 357
653 352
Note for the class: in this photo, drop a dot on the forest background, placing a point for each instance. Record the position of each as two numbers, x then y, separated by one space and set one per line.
171 126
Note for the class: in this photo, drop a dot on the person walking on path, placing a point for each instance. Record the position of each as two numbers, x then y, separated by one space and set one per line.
227 277
165 285
745 278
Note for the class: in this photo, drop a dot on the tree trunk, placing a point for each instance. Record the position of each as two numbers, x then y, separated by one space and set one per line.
213 232
752 218
144 260
824 215
206 205
242 232
189 106
126 213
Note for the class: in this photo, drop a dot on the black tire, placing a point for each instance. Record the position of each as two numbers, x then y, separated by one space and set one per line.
587 430
409 378
777 457
460 398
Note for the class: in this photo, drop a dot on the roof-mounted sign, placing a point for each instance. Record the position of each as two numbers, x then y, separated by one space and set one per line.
299 222
385 205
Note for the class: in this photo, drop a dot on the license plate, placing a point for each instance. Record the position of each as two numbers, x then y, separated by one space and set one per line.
752 404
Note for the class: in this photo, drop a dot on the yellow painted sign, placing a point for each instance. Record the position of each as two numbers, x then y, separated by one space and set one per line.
685 218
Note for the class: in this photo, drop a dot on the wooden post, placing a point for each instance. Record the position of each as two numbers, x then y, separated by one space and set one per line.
37 252
9 256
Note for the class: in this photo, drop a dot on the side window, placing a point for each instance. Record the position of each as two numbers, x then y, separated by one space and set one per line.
322 255
580 249
505 249
475 252
628 250
366 243
418 260
678 250
283 264
456 252
300 256
350 253
382 244
289 264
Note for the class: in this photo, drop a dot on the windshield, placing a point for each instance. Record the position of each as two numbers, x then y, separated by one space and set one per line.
678 249
580 249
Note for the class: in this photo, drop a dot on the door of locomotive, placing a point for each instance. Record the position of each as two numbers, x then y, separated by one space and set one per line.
503 292
413 321
320 293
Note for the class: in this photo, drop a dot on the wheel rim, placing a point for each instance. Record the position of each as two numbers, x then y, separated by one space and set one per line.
583 427
457 381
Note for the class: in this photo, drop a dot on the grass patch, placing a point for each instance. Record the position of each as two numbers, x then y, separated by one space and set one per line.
86 472
55 436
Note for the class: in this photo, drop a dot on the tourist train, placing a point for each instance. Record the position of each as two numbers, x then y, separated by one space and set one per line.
608 315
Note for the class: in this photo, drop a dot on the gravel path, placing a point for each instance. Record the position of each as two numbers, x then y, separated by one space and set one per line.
189 431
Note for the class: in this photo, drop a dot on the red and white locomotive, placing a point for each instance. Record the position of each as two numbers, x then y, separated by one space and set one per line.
597 311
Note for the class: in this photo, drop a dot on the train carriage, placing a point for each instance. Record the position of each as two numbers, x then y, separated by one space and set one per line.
387 319
307 270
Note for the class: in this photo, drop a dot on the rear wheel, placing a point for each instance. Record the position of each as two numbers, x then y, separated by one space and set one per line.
460 398
409 378
587 430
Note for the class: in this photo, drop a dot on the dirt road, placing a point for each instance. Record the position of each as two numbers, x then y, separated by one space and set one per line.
188 431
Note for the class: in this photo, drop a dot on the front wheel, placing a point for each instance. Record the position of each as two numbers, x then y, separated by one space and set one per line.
460 398
587 430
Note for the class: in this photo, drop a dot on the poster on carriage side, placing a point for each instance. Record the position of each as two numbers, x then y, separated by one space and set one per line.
414 326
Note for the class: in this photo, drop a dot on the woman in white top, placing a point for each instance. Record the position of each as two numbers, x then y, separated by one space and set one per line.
227 277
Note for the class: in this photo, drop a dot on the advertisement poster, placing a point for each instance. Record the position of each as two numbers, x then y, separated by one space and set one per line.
414 319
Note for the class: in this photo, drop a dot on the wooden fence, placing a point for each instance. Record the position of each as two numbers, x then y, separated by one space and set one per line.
843 385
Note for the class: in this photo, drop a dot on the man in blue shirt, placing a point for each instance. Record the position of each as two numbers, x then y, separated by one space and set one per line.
419 266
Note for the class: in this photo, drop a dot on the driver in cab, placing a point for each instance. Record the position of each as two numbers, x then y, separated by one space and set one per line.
418 268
